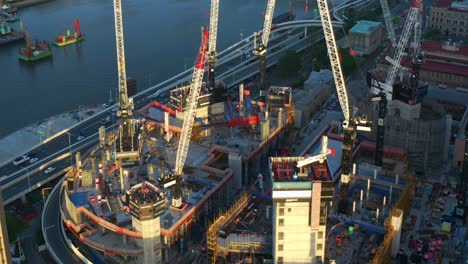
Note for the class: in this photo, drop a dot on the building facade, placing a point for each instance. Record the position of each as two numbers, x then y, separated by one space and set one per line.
300 205
445 63
5 254
365 37
450 17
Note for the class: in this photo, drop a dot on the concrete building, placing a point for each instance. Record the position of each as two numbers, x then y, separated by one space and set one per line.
425 136
365 37
146 205
444 62
5 253
450 17
301 198
307 103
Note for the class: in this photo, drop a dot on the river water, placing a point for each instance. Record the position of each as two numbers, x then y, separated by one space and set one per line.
162 37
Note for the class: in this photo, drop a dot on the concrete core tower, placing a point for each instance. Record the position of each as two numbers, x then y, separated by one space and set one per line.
146 204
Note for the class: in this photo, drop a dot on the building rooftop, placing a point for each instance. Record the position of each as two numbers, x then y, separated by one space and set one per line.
145 192
365 27
458 48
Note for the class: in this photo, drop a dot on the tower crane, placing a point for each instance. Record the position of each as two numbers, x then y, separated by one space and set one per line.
125 110
402 42
184 140
260 50
388 20
211 56
351 124
395 65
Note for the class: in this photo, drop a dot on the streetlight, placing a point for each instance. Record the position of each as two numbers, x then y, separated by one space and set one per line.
241 52
69 147
43 193
79 111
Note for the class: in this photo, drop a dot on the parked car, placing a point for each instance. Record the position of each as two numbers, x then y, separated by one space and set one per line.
80 138
33 160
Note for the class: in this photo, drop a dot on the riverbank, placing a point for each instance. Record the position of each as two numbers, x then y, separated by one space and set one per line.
26 3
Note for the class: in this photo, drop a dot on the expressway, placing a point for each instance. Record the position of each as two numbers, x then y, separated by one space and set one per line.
52 228
234 65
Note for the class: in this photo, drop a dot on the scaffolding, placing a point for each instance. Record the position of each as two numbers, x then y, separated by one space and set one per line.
220 221
383 255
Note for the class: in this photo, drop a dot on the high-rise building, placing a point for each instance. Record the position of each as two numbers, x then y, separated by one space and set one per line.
301 198
146 205
5 254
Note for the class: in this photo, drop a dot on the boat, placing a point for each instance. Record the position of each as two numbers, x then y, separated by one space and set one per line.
39 50
67 39
8 35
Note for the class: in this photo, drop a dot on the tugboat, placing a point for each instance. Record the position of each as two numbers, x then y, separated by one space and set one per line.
68 38
34 52
8 34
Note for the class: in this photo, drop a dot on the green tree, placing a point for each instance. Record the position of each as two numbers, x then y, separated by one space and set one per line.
433 34
289 64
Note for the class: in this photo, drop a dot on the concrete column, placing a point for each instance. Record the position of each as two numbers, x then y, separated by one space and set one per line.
375 174
354 168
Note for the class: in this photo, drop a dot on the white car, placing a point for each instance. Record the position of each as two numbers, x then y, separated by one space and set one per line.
49 170
80 138
33 160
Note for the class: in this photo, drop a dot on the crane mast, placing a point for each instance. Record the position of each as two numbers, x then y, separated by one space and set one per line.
211 56
410 20
125 104
351 123
334 58
261 49
388 20
185 135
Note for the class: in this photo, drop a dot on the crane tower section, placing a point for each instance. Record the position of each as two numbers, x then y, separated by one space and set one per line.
388 20
211 56
125 104
334 59
261 49
410 21
189 114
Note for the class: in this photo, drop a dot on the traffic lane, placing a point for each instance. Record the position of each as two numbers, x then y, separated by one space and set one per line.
52 146
38 176
52 226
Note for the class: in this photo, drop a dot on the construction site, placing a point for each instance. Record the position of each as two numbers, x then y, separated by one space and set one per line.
170 172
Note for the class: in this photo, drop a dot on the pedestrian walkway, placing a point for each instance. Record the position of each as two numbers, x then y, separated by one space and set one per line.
27 138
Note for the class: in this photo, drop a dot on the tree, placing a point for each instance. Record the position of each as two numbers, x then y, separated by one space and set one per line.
433 34
289 64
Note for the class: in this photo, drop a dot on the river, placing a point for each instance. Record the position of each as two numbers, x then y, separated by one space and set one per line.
161 38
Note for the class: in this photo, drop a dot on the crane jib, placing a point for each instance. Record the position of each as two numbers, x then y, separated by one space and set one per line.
201 55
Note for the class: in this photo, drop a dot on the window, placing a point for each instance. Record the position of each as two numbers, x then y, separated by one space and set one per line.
280 260
320 235
281 222
289 210
318 258
281 211
280 236
461 29
319 246
280 247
